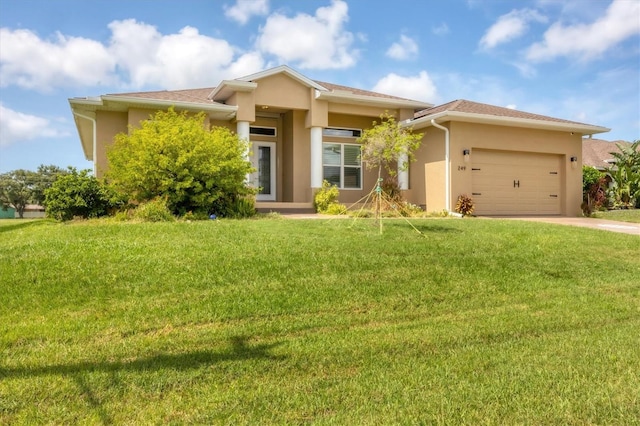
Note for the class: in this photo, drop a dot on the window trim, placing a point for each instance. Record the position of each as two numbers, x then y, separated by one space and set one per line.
342 166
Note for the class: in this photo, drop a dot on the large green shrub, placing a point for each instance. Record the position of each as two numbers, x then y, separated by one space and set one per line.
77 194
175 155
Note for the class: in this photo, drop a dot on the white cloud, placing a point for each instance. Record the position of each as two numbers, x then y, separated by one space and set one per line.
406 48
419 87
620 21
510 26
30 62
17 127
243 10
316 42
137 55
441 30
511 106
185 59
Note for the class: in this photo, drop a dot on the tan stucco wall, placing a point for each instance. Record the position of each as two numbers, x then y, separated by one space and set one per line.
281 91
246 103
108 125
301 172
482 136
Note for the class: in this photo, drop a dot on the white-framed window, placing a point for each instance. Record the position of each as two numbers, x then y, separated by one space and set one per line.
341 165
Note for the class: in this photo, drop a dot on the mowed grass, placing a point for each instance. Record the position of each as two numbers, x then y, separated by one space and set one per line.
631 215
318 322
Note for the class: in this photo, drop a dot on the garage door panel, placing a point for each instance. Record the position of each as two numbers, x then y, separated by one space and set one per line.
512 183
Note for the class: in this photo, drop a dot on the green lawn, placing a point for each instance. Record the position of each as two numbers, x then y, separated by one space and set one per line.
258 322
620 215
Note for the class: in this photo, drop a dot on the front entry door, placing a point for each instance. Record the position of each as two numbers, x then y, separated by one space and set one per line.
264 178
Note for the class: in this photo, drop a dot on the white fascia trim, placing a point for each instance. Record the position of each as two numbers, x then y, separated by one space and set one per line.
90 101
425 121
350 98
193 106
227 87
286 70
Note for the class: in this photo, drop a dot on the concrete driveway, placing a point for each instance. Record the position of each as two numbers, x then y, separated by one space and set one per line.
605 225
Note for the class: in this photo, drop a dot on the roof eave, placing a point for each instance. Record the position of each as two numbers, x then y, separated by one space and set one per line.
351 98
227 87
585 129
225 111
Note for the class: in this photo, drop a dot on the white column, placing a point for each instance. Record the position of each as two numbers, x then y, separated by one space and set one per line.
403 171
316 157
242 129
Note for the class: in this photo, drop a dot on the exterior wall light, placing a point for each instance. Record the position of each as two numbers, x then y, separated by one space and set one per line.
574 162
466 153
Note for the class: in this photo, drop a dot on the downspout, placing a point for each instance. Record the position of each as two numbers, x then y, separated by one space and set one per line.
447 172
94 142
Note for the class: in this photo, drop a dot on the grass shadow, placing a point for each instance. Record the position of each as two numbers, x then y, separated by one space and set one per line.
9 225
238 351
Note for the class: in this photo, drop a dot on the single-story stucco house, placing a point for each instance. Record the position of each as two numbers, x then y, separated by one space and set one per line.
304 131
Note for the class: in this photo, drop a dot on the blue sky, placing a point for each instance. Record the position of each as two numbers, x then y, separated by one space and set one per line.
572 59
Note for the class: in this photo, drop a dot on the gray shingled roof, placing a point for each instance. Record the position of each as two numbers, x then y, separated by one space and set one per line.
334 87
465 106
201 95
596 152
189 95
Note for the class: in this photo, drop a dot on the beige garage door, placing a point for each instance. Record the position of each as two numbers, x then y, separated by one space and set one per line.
516 183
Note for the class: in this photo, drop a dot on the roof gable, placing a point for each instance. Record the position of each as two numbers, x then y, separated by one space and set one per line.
283 69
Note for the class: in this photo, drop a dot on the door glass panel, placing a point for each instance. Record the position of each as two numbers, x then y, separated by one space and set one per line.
264 169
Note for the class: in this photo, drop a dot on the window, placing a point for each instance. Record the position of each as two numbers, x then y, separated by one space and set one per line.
262 131
341 133
341 165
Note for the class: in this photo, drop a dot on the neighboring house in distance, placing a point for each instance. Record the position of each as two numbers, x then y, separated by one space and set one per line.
597 152
33 211
7 212
304 131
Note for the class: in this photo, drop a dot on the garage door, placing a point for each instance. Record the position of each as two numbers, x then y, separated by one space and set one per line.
516 183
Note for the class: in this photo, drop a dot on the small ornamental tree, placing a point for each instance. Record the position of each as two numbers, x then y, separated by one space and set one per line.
385 143
175 156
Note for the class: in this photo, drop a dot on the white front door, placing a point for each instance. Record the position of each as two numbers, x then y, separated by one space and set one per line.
264 178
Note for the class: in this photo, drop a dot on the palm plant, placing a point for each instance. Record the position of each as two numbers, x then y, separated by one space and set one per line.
625 176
